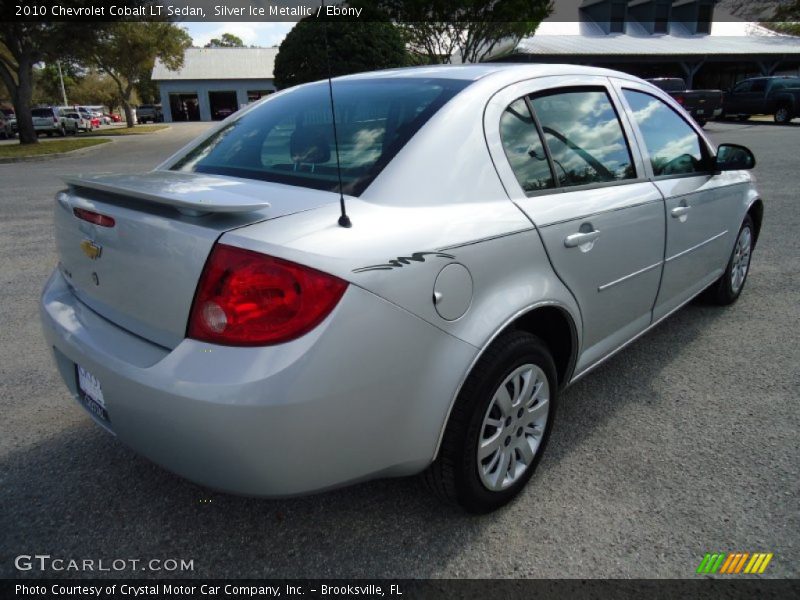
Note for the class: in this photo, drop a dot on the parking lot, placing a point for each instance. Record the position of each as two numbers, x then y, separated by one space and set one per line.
684 443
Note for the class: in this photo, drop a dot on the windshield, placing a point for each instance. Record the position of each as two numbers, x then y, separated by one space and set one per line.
289 138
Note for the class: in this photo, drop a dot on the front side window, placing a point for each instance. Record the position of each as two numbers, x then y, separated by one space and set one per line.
289 138
585 137
524 149
674 147
759 85
743 87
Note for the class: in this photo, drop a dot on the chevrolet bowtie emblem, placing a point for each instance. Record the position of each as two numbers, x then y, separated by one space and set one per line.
91 249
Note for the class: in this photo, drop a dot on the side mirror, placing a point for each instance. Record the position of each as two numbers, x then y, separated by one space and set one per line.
733 157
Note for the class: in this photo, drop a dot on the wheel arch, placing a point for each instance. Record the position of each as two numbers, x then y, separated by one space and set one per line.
554 324
756 212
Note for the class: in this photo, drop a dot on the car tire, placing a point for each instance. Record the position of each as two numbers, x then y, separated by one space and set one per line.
783 115
743 117
727 289
702 122
459 475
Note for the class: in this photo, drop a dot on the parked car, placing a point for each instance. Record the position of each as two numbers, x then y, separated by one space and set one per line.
112 118
701 104
777 96
49 120
8 123
75 121
149 112
223 113
507 229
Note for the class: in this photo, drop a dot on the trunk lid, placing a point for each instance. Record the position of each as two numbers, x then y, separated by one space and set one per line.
141 271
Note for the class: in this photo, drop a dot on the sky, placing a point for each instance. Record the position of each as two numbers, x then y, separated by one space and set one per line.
253 34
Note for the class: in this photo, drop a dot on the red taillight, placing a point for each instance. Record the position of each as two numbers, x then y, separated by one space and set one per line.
249 299
680 99
93 217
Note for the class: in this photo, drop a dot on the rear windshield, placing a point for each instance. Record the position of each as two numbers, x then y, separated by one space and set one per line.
42 112
289 138
670 85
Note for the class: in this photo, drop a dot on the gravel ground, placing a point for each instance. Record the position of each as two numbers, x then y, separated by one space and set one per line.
684 443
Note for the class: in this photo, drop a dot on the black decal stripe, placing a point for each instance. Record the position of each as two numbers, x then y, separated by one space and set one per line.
397 263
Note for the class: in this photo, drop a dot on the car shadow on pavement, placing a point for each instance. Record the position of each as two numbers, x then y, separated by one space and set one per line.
81 494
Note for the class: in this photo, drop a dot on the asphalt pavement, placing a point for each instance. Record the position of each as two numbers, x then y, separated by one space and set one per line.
684 443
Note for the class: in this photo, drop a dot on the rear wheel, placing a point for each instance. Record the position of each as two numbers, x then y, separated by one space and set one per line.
727 289
783 115
499 426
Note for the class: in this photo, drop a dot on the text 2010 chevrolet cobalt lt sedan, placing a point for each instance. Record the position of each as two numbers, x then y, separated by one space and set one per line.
512 227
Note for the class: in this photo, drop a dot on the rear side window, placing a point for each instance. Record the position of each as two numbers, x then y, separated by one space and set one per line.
584 136
524 149
674 147
289 138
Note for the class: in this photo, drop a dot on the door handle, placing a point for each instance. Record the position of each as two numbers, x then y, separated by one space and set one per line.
579 239
679 211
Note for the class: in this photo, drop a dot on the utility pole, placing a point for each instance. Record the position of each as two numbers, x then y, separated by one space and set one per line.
61 79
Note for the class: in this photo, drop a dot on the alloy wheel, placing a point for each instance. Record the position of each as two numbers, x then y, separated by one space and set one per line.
513 427
741 259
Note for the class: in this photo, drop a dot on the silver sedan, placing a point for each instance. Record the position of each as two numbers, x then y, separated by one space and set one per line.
285 306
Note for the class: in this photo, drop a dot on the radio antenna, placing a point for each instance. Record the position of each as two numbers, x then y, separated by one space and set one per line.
344 220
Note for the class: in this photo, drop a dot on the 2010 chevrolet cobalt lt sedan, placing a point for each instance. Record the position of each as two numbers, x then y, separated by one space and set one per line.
510 227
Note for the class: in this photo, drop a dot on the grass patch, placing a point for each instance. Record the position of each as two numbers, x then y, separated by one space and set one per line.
135 130
44 148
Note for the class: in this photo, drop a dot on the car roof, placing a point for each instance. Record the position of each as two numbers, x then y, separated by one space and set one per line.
473 72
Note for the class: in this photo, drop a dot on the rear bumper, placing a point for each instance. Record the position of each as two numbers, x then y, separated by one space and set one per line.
363 395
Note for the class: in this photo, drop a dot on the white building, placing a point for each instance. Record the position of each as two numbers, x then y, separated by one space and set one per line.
214 82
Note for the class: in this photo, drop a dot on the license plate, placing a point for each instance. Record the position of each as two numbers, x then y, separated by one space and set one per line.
91 394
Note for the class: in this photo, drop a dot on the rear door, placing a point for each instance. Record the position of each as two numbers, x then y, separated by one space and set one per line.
601 221
700 205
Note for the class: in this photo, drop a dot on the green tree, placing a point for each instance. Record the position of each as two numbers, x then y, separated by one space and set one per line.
94 87
437 31
226 40
352 47
788 28
127 51
23 45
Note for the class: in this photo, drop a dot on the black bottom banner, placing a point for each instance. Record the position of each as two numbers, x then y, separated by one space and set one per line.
401 589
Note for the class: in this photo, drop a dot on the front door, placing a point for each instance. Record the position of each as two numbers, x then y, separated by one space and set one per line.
700 216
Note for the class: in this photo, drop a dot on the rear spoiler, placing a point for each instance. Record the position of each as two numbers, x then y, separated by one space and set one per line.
192 194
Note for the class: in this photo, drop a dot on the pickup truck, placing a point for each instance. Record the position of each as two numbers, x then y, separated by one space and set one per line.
149 112
702 105
777 96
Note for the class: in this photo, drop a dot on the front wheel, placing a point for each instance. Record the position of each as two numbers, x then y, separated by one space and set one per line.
727 289
499 425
